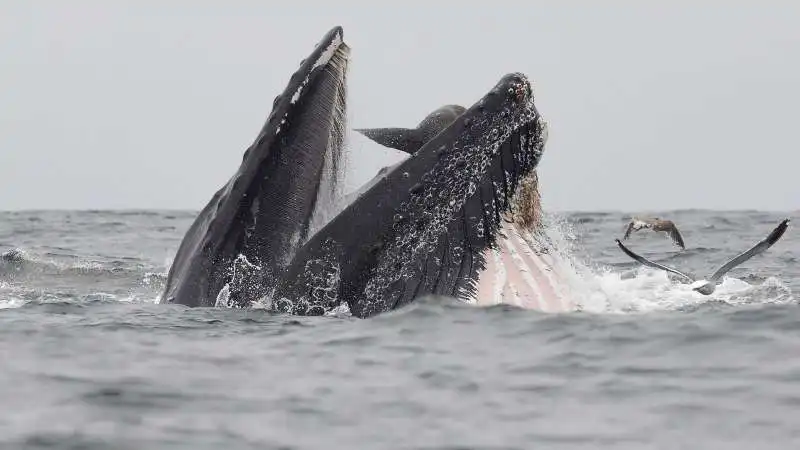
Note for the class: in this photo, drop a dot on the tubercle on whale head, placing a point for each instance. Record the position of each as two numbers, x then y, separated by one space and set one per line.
503 111
511 89
519 87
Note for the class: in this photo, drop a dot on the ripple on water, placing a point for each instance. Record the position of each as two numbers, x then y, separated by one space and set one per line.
89 361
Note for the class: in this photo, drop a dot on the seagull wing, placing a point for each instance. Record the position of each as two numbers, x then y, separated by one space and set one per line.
628 230
759 248
644 261
675 235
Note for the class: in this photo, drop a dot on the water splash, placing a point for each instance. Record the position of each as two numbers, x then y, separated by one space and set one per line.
87 277
599 289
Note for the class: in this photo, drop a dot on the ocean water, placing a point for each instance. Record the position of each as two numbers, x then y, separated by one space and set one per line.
90 360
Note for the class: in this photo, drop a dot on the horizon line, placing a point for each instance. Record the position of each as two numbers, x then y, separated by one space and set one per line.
551 210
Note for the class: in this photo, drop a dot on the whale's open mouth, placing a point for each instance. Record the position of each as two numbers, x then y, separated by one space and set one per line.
421 229
286 179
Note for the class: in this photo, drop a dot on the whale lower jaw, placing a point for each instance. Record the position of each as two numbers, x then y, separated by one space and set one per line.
518 274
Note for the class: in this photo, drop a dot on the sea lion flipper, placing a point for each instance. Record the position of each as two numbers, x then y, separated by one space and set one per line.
404 139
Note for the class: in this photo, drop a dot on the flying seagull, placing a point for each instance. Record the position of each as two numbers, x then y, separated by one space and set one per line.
707 286
656 224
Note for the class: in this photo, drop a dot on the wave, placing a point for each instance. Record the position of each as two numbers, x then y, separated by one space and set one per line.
627 287
59 277
599 278
17 263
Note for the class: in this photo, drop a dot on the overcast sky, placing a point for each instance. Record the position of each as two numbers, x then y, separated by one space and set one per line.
652 105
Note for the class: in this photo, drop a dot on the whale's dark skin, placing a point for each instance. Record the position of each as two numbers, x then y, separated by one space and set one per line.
423 227
246 235
410 140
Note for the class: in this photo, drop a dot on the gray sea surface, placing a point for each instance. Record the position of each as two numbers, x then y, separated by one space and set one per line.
90 360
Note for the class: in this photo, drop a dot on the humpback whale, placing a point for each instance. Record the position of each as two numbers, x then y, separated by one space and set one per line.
656 224
709 285
279 231
425 226
240 241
